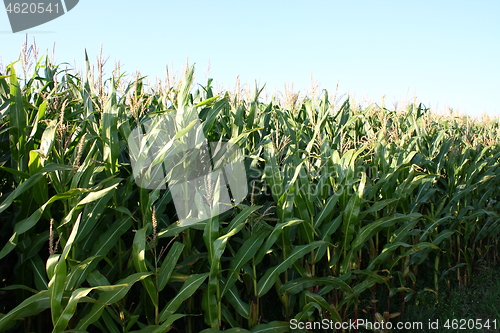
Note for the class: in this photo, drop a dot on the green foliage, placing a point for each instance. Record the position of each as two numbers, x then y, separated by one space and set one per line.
346 206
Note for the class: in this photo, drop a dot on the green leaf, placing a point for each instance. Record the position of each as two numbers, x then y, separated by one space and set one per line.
185 130
47 140
273 237
326 232
368 231
188 288
39 274
19 286
351 214
296 286
377 206
80 272
165 327
212 115
91 197
246 252
50 265
326 211
108 239
139 258
93 212
242 217
70 309
168 265
34 179
29 307
57 282
210 100
267 281
40 190
109 131
272 327
28 223
324 304
110 295
18 123
241 307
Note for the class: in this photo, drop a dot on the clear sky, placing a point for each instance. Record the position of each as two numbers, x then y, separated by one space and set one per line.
446 53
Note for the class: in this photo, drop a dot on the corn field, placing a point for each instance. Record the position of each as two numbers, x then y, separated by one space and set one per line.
351 211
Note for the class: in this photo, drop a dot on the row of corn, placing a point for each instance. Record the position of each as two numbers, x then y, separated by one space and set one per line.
352 212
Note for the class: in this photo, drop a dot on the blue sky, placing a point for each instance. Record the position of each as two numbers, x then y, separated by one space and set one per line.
446 53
